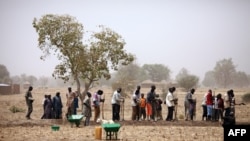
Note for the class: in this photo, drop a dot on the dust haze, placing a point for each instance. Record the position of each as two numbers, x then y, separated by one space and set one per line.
179 34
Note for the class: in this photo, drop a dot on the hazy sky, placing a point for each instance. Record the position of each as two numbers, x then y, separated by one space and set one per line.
177 33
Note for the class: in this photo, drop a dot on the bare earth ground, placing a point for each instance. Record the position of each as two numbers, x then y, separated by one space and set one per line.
14 126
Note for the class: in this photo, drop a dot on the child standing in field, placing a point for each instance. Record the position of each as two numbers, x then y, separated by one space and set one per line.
142 107
220 102
158 108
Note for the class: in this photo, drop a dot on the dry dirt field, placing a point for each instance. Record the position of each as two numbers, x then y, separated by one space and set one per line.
15 127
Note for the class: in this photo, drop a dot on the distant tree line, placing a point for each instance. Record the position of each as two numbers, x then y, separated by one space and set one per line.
42 81
224 75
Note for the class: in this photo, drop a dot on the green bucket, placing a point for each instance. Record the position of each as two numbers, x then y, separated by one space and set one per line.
55 127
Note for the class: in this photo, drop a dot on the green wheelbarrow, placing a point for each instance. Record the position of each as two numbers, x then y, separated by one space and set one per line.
75 119
111 130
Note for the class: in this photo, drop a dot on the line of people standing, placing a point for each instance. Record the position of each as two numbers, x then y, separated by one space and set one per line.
52 107
218 108
144 107
150 107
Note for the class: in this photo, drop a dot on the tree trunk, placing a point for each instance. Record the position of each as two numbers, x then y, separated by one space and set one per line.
86 88
78 85
83 94
79 89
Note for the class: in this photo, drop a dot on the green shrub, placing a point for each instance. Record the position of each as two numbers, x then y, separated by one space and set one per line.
246 98
15 109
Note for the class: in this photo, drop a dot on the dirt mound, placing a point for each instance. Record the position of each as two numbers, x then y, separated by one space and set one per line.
48 122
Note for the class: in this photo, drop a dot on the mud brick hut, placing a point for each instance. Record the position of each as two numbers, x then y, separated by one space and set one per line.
5 89
15 89
9 89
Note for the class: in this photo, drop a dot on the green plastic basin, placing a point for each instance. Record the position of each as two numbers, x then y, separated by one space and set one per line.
55 127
